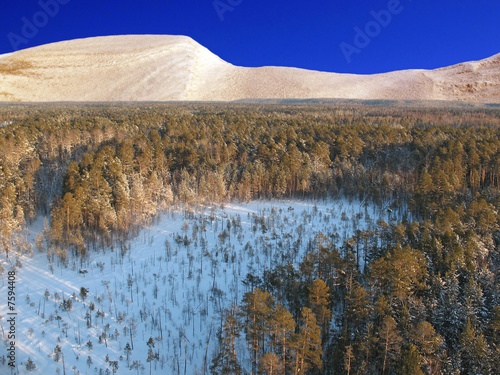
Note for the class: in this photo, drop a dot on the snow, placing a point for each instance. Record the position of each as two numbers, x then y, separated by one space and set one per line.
194 283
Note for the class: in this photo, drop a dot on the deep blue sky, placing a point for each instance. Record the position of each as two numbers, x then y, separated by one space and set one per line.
306 34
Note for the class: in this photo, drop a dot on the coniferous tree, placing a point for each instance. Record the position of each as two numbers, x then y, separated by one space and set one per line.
429 345
389 342
271 364
257 309
474 351
225 361
307 344
319 297
282 327
411 361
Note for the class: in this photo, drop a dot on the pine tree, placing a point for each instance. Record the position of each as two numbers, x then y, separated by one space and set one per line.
474 308
30 365
114 366
429 344
449 312
307 344
401 273
83 293
283 327
424 194
389 342
127 351
319 300
474 351
494 328
58 354
271 365
151 357
357 309
8 223
225 360
257 308
151 353
411 361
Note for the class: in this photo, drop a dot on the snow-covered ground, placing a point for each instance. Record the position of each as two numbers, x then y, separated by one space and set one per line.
170 284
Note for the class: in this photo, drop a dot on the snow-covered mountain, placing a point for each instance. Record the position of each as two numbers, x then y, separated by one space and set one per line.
163 67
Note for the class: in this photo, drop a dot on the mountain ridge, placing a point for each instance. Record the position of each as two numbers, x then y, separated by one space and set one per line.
177 68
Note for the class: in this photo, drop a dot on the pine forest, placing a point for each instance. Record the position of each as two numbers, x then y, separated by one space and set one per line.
301 237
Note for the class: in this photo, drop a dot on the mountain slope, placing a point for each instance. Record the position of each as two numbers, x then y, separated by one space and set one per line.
163 67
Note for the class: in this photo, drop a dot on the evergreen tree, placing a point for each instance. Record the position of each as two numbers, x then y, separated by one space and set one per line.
494 329
429 345
30 365
411 361
307 344
127 351
225 360
449 312
319 302
389 343
283 327
257 309
271 365
474 351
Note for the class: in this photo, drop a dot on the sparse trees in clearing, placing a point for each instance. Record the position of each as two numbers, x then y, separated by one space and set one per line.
83 293
152 356
114 366
30 365
132 327
58 354
128 350
137 365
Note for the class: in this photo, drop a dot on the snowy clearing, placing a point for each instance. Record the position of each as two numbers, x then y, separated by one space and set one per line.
171 284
